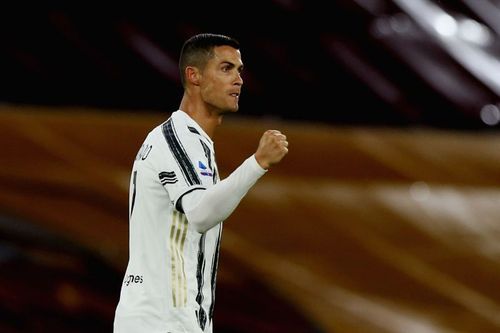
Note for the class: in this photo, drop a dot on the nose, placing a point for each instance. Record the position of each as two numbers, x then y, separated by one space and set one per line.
239 79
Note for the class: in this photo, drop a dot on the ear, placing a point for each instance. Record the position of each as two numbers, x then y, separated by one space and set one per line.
193 75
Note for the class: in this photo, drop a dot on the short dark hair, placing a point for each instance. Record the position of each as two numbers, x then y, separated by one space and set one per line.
198 49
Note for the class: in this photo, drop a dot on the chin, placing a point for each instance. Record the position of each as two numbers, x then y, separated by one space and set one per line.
230 110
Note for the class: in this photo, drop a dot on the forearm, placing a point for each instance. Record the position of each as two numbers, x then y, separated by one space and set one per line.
206 208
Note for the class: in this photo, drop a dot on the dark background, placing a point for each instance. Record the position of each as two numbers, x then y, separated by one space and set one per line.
342 62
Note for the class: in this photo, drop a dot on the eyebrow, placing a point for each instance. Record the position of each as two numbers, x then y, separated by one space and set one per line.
226 62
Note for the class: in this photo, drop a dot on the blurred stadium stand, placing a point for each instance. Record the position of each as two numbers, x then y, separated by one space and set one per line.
377 62
383 218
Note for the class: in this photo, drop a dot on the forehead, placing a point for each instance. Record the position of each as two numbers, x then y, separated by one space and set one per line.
226 53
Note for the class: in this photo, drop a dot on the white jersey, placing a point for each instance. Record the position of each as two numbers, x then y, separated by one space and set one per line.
169 283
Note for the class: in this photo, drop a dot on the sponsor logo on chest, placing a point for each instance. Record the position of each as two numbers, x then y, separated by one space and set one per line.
204 170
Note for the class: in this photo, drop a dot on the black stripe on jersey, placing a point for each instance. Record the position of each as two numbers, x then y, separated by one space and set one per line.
208 153
167 177
193 130
180 154
215 264
215 177
200 313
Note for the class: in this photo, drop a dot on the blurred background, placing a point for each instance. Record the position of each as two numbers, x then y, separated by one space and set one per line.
384 217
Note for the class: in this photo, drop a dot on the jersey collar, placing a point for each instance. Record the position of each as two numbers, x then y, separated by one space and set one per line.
191 122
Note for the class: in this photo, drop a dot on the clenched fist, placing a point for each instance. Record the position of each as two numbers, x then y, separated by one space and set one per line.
272 148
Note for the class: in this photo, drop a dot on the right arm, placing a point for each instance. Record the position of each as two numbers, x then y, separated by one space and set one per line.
206 208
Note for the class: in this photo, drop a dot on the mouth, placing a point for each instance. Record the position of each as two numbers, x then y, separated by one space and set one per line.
235 95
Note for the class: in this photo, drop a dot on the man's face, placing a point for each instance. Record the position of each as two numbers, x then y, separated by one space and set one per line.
221 80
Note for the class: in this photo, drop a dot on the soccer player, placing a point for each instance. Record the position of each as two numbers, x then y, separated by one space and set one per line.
178 204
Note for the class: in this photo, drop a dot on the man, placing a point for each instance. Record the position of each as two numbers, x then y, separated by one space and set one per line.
177 203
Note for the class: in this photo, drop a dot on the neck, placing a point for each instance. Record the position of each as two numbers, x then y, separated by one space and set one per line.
206 118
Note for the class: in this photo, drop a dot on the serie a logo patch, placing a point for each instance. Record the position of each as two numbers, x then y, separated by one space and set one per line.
204 170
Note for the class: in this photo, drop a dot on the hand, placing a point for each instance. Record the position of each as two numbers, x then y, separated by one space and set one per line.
272 148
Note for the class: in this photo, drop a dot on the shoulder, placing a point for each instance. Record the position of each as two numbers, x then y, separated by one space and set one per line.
178 130
173 125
